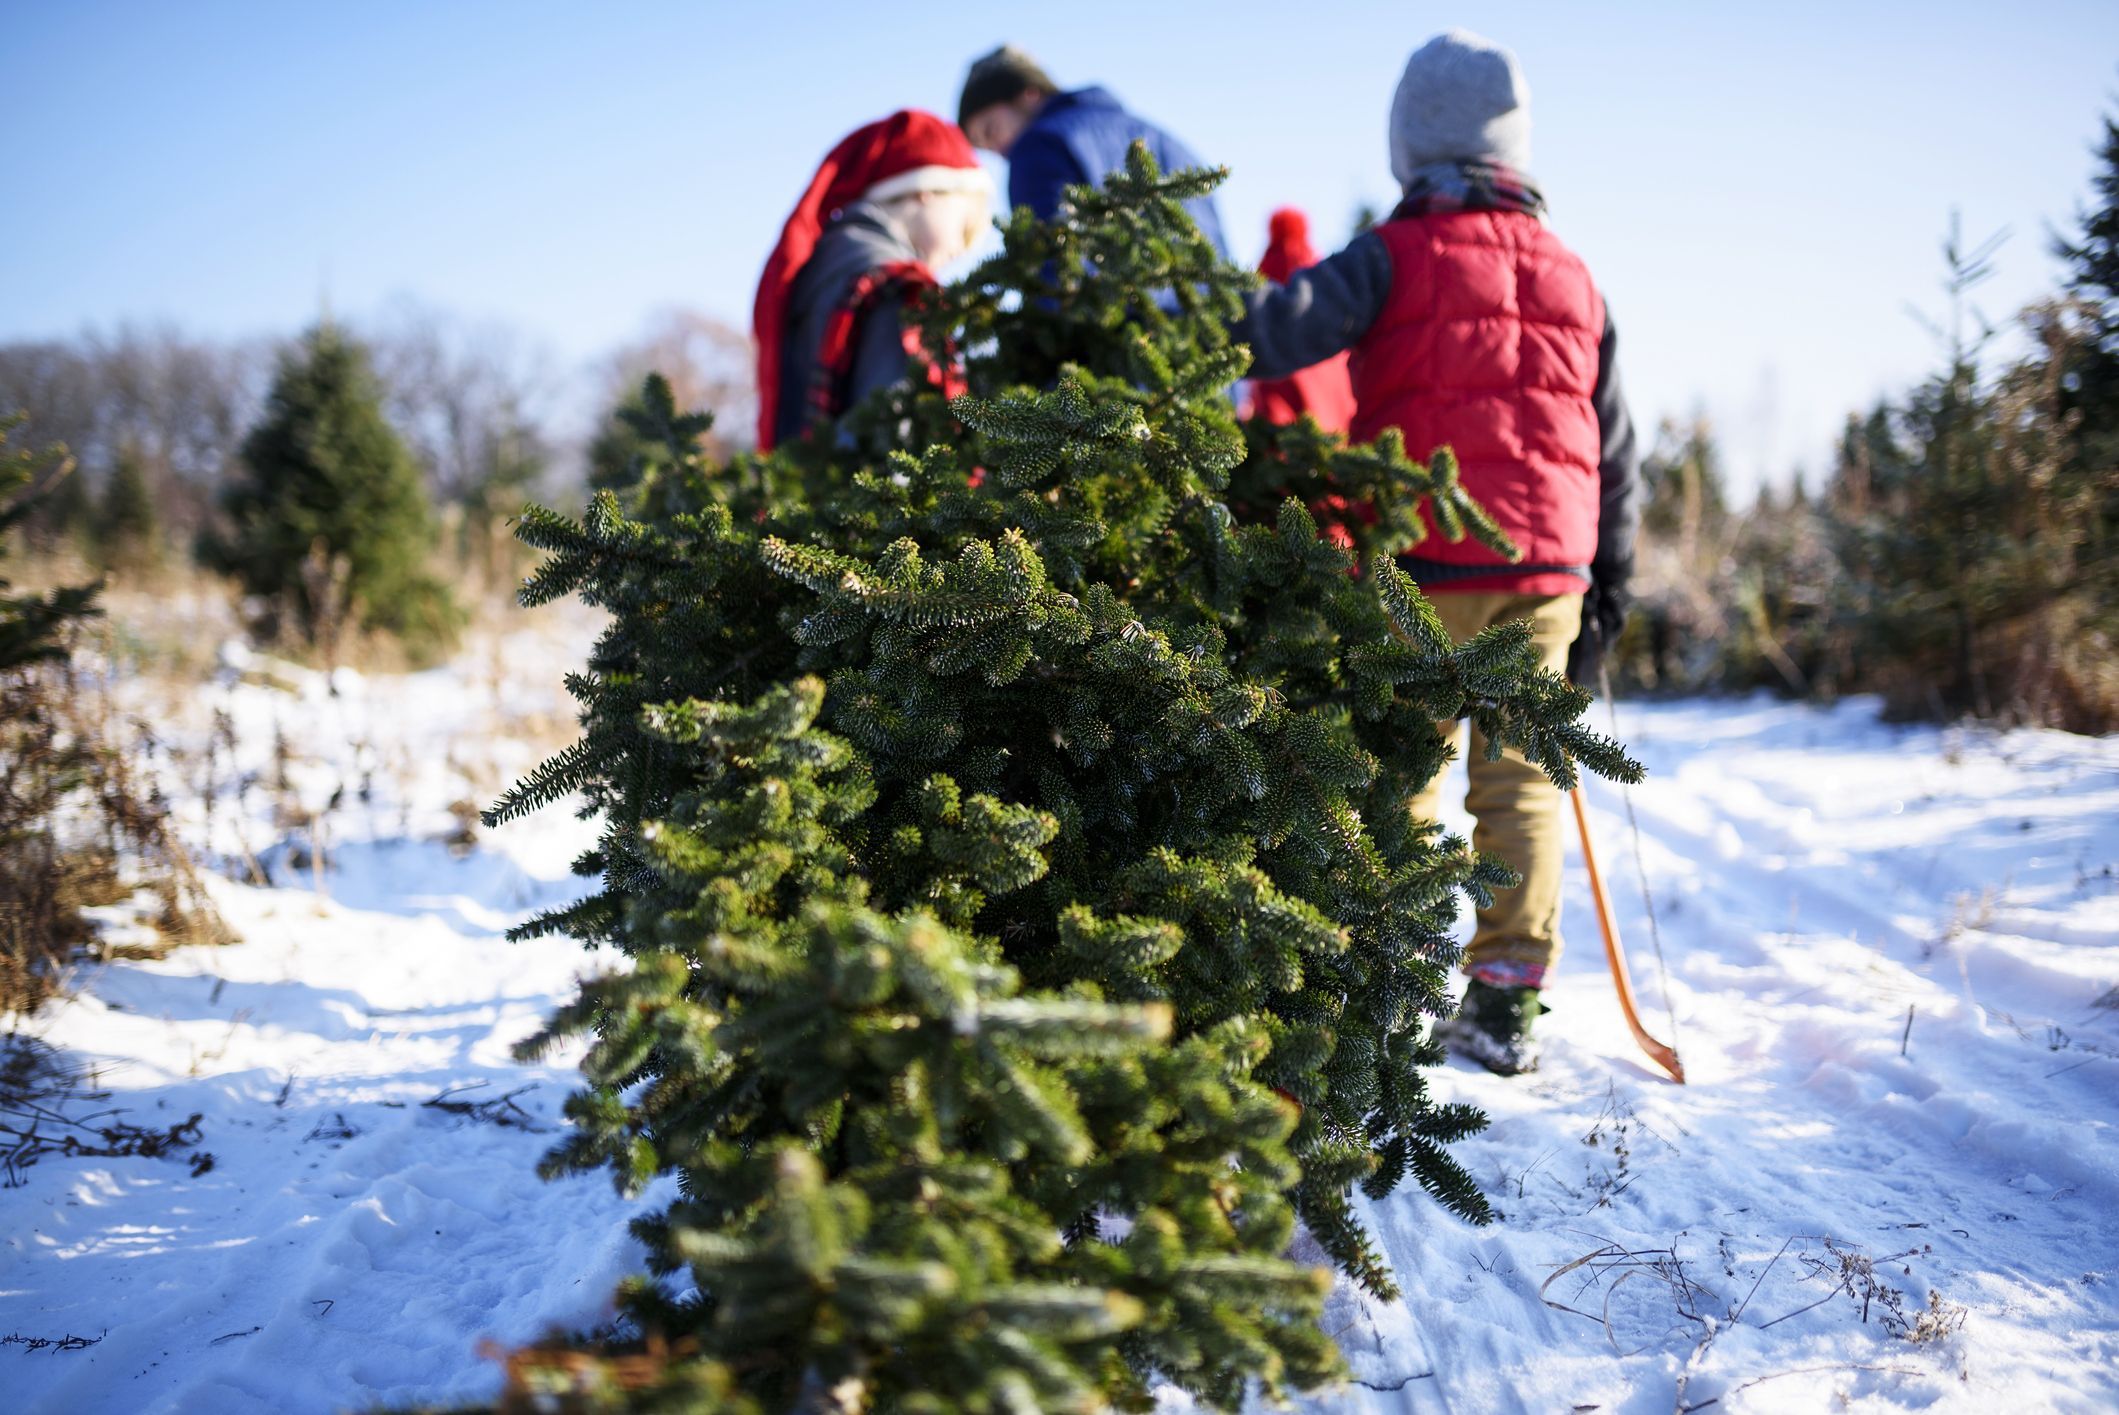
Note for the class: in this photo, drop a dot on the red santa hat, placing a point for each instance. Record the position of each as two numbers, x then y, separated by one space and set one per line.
1288 247
910 151
1324 391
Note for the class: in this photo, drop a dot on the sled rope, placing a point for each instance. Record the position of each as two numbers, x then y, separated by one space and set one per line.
1640 865
1655 930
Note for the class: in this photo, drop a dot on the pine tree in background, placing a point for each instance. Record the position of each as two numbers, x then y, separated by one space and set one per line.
328 520
61 518
128 532
1959 558
81 824
1972 527
1935 562
657 461
2089 359
1011 842
617 453
41 760
515 460
1688 497
31 625
1725 598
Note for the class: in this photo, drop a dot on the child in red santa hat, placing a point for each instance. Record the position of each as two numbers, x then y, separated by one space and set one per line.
891 204
1321 390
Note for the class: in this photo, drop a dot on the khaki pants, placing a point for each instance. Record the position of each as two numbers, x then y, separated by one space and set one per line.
1515 807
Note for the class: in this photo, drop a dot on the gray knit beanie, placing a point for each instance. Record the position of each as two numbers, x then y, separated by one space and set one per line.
1462 98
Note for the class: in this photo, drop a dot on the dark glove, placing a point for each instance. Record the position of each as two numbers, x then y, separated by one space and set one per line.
1604 609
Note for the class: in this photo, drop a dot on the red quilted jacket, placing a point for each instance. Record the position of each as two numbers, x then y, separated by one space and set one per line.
1488 343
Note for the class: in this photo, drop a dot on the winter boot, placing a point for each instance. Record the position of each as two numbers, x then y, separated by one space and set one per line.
1492 1027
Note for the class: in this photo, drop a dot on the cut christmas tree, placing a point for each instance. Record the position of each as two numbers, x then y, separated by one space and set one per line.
1010 841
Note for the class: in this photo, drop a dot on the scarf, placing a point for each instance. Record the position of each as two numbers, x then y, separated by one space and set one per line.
1442 187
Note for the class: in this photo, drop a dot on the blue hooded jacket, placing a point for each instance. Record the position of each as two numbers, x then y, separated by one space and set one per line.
1081 138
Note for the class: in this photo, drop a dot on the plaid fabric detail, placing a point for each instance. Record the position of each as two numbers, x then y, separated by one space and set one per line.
1469 186
1507 973
827 388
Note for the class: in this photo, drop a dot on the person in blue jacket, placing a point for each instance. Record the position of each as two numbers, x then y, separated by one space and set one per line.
1053 139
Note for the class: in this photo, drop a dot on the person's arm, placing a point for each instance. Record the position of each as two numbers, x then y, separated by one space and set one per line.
1618 469
1610 591
1040 169
1321 311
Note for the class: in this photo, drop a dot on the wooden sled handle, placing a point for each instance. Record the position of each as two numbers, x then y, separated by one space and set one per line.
1660 1054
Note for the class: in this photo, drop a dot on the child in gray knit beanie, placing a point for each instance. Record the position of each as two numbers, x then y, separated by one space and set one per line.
1462 99
1472 326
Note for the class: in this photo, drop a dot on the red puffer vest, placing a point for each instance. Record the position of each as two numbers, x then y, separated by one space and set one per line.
1489 343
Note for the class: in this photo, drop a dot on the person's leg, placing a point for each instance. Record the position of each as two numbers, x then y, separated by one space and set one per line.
1427 803
1518 815
1462 616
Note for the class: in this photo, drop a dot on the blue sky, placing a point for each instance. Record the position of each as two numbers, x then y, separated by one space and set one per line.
1760 190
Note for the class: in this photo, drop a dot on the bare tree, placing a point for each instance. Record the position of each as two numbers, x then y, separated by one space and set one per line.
466 397
180 402
709 365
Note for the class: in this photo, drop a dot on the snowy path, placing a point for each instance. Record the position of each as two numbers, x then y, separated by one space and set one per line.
350 1243
1816 874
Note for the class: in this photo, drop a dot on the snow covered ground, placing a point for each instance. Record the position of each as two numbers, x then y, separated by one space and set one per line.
1769 1237
1822 881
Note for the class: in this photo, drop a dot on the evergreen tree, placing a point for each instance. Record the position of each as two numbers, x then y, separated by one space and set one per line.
43 759
1679 633
62 515
128 532
1780 586
2089 393
512 461
32 625
329 519
1688 498
1973 532
1011 841
1931 559
619 452
2092 259
78 829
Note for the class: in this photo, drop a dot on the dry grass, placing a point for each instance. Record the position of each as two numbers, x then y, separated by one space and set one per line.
1831 1269
92 753
47 1107
83 826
